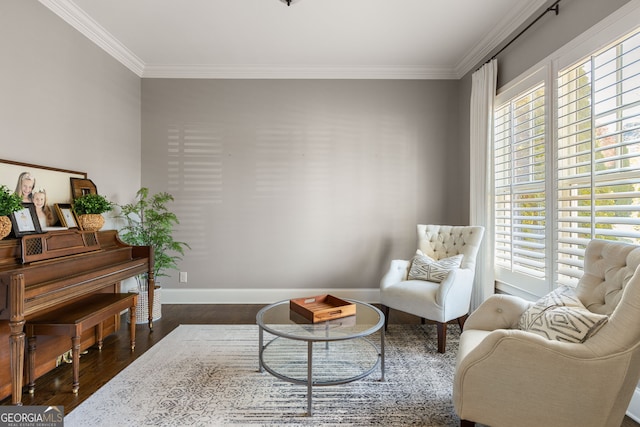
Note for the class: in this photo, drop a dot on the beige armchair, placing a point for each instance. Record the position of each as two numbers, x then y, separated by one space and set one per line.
430 292
508 377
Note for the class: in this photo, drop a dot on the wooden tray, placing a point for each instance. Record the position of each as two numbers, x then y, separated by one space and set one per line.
322 307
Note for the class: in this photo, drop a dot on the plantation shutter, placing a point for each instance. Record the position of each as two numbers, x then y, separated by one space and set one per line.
520 198
598 153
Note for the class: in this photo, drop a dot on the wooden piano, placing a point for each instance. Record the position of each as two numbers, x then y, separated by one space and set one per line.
43 272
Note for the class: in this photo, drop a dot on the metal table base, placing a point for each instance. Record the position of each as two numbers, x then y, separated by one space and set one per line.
328 338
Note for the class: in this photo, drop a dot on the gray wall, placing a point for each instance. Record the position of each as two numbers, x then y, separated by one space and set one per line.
66 103
285 184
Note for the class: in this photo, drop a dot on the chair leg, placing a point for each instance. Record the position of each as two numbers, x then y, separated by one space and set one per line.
467 423
461 321
385 311
442 336
75 352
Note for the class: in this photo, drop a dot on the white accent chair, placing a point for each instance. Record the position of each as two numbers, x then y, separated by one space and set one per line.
439 302
510 377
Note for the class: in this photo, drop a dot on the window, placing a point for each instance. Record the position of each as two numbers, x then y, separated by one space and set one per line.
567 166
520 197
598 153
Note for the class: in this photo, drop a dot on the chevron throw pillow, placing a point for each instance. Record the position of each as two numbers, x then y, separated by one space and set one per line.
561 316
561 296
423 267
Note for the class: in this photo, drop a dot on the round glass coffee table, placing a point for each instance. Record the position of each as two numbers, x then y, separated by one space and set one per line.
323 353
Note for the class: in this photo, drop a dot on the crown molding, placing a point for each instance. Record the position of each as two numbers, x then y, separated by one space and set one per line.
497 36
293 72
78 19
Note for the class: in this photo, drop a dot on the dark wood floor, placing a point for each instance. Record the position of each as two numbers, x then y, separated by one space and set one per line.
98 367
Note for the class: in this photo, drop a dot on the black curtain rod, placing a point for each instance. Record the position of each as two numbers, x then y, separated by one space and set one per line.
554 7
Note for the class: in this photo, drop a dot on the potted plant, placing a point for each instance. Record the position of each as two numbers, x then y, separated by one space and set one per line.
9 203
89 208
149 222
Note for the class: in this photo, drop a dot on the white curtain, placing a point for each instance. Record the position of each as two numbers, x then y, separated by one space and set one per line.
483 90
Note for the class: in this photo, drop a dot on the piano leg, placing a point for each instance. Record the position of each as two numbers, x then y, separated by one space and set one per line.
16 337
16 342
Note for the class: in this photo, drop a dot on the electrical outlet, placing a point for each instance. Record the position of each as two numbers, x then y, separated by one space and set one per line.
183 277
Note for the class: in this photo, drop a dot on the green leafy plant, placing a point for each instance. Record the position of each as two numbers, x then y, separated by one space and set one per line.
9 202
91 204
150 223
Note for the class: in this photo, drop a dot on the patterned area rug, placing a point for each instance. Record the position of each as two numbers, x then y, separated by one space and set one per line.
207 375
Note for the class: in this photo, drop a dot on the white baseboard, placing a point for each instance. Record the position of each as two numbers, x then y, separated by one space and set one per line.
259 296
633 411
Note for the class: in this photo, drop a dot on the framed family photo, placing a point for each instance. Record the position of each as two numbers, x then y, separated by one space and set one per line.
54 180
25 221
66 215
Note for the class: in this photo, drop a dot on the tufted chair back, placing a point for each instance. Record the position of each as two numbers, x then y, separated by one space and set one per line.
444 241
611 285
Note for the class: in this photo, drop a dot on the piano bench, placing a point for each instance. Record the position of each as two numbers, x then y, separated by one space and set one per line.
72 320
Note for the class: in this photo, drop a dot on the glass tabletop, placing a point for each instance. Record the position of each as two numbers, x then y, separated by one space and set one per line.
278 319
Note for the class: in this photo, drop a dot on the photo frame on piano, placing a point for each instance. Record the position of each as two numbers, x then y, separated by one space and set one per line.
66 215
25 221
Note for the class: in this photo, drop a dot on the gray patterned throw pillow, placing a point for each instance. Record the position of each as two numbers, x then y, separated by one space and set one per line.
423 267
560 316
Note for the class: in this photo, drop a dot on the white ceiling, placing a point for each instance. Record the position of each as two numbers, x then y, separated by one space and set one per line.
395 39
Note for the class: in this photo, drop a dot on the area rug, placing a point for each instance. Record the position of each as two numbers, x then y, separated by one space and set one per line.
207 375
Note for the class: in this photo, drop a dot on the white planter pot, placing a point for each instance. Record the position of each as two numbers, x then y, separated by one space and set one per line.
142 309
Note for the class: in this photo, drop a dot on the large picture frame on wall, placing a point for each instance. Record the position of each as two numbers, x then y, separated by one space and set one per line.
54 180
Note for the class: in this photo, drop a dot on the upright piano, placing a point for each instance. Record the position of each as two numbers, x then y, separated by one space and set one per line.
42 272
